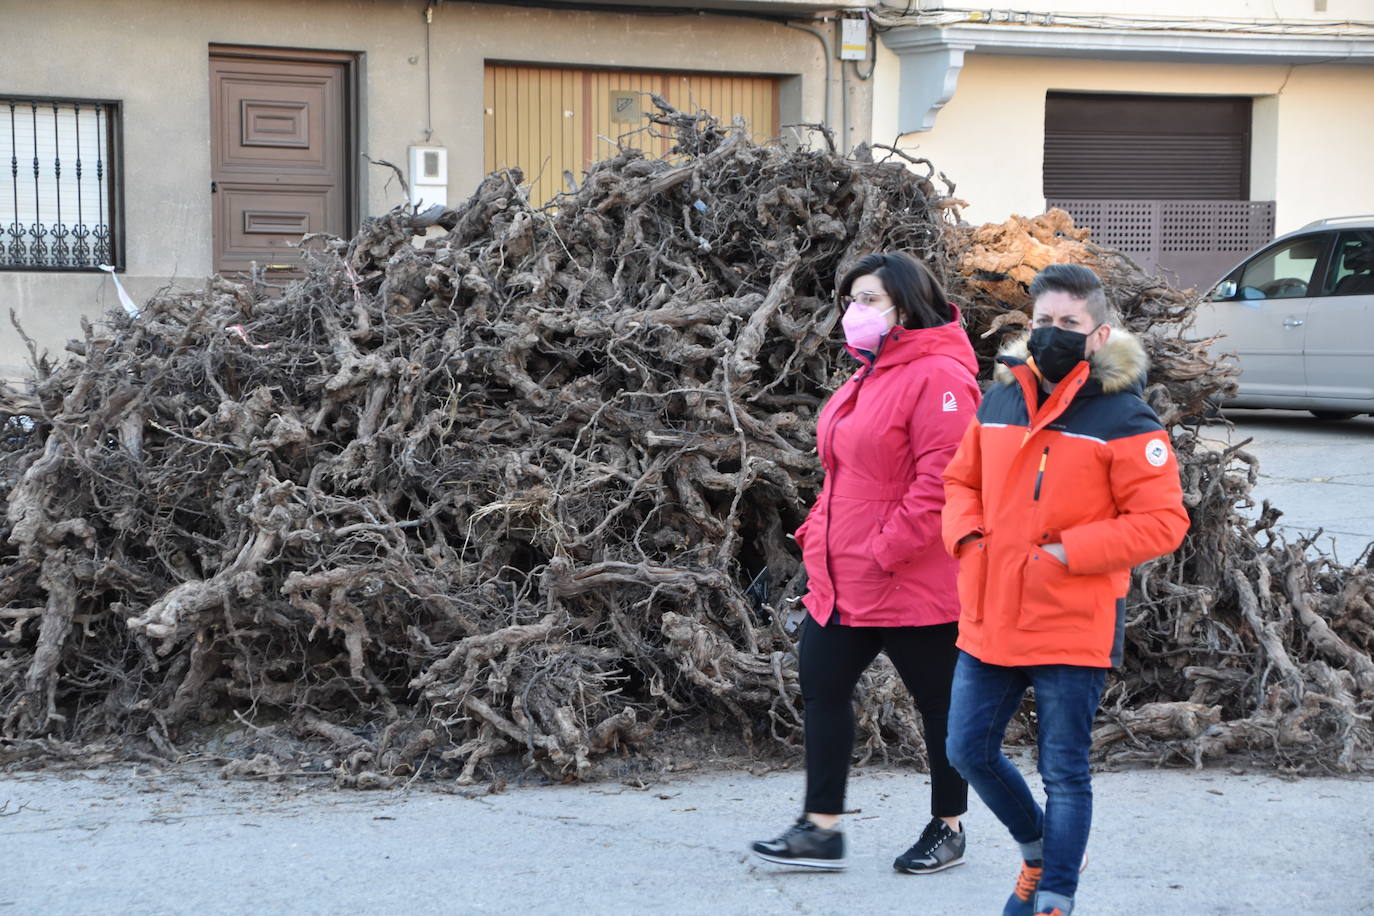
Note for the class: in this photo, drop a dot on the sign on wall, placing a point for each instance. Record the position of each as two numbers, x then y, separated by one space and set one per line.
625 108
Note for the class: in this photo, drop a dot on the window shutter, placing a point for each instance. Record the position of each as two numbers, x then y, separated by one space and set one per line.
1123 147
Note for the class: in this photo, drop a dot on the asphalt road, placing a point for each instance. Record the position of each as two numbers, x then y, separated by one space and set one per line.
1319 472
1164 841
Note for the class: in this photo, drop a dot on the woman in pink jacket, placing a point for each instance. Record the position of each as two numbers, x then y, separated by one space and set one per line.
878 577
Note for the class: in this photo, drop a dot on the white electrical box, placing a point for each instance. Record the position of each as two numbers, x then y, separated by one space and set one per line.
853 39
428 176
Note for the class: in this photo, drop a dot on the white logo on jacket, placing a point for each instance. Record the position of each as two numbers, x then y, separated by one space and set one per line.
1156 452
951 405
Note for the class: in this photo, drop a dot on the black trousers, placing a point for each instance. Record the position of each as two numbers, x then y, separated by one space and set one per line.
832 658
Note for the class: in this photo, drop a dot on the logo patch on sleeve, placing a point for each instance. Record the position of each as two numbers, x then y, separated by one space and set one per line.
950 405
1156 452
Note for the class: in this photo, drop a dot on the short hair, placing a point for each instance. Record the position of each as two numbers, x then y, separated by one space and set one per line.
1077 281
920 299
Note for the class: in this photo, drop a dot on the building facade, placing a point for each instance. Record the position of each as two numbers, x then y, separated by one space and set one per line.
1184 138
172 140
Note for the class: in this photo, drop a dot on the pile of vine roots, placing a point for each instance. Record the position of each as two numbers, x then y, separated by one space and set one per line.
525 487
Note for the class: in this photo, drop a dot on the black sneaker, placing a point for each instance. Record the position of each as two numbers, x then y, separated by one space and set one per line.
937 849
806 845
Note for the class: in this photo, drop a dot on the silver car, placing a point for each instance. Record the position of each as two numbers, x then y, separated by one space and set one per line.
1299 316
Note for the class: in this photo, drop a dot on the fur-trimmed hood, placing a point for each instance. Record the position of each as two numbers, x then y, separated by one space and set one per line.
1120 364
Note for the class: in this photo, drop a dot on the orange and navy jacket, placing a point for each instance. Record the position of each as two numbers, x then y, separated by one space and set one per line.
1091 469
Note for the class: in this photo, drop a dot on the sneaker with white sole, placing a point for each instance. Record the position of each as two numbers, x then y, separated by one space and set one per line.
804 845
937 849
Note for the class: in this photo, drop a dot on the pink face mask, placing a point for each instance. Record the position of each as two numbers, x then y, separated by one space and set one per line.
864 326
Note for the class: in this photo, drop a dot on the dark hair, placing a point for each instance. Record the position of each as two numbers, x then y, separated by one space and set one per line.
920 299
1077 281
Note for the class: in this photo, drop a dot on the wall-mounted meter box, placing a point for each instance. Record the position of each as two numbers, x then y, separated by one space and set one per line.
853 39
428 176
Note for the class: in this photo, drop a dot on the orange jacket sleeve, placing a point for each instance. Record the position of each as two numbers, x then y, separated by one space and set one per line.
963 477
1151 520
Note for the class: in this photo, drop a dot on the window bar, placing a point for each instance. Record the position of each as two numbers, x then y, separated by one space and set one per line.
60 249
15 230
36 234
103 250
81 249
37 250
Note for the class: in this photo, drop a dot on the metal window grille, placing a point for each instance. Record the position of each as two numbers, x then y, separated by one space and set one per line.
60 204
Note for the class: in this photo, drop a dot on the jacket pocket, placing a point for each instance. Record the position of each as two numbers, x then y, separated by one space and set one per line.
973 576
876 580
1053 598
860 583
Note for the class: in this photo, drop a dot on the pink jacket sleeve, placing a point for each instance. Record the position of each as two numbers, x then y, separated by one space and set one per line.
800 534
942 413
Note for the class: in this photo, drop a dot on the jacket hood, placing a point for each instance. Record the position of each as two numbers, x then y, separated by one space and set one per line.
902 345
1120 364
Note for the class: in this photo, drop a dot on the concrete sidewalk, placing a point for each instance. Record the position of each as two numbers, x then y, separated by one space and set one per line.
115 842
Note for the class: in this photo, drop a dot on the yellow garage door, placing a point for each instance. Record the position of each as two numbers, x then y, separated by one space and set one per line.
551 120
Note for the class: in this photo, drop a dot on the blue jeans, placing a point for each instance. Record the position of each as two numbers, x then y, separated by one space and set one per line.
984 699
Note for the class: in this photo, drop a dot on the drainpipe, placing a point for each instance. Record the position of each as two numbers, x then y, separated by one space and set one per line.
429 95
844 109
819 35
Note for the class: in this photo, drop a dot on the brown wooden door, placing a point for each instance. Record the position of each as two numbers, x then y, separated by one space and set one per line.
279 157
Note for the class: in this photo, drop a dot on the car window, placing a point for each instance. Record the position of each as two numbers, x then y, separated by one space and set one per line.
1282 272
1352 265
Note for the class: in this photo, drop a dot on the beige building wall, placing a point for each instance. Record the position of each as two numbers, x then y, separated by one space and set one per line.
153 56
1287 11
1311 142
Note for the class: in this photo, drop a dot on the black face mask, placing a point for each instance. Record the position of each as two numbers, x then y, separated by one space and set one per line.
1057 351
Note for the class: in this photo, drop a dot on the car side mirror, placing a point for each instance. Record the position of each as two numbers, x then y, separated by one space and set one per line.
1226 289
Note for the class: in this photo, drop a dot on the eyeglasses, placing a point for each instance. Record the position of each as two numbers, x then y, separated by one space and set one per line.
862 299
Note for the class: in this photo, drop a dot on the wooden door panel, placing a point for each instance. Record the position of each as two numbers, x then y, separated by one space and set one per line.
269 125
279 149
262 222
283 123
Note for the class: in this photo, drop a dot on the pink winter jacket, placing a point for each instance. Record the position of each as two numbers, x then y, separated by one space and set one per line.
871 543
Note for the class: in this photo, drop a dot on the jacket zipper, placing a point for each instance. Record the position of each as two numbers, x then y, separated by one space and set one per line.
830 496
829 499
1040 474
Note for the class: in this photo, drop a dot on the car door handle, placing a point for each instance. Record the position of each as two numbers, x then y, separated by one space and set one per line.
1292 322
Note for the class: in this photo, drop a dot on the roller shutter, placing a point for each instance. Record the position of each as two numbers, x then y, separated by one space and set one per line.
555 120
1142 147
